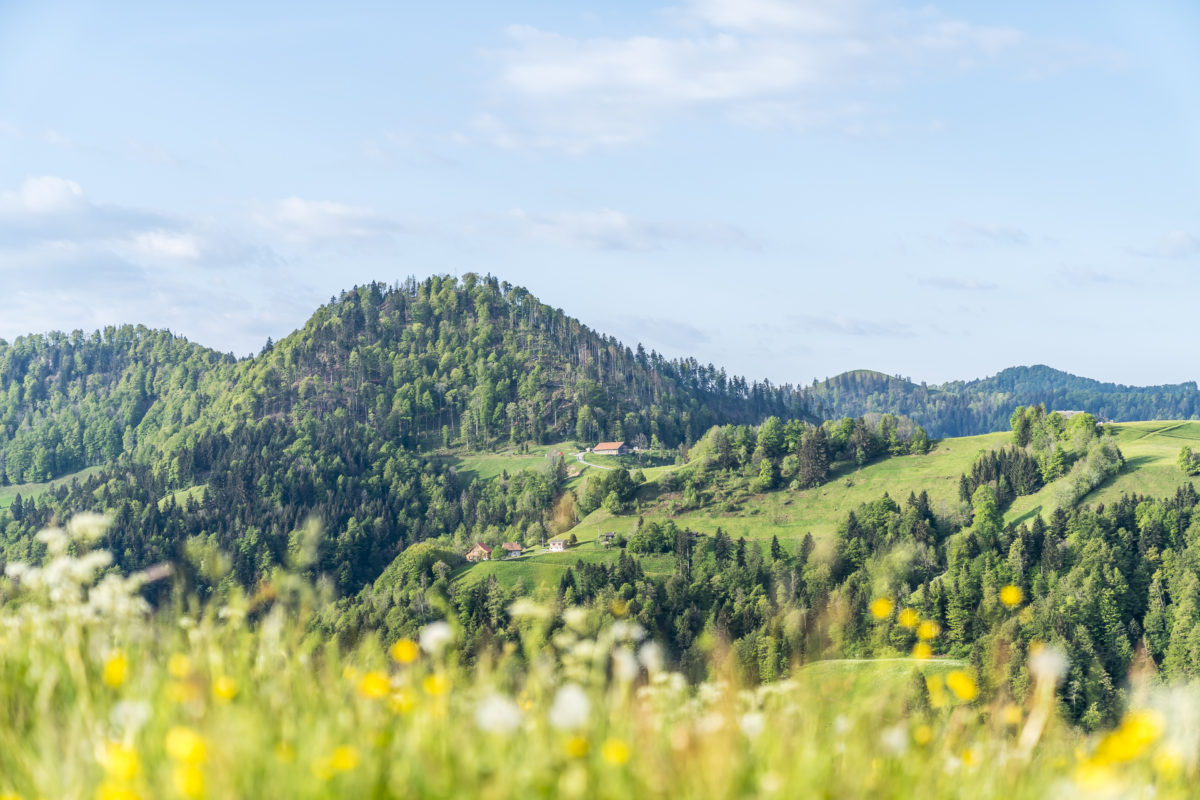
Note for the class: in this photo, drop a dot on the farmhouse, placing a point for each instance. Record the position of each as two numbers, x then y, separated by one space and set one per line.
480 552
607 537
512 549
610 449
557 546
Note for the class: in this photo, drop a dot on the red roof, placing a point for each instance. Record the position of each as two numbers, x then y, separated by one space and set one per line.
512 546
481 546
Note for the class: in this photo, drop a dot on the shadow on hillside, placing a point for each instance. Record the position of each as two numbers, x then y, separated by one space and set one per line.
1027 516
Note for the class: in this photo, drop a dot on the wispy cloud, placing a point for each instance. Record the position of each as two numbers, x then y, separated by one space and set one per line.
309 222
608 229
957 284
850 326
757 62
1090 276
1176 244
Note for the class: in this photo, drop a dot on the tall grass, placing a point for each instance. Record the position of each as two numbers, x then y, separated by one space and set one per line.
102 697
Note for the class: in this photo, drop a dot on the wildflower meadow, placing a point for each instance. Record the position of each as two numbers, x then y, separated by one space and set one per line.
105 697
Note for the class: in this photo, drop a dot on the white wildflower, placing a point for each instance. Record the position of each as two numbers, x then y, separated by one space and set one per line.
651 657
627 631
435 636
87 526
625 666
752 724
524 607
576 618
570 709
894 739
497 714
1048 664
130 716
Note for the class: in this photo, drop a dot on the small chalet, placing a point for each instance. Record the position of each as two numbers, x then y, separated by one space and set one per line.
512 549
480 552
557 546
607 537
610 449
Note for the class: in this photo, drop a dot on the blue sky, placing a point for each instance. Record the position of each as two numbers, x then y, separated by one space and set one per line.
787 188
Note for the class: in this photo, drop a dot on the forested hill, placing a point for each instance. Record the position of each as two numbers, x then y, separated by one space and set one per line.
441 362
966 408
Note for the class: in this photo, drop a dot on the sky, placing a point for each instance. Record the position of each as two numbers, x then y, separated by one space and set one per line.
785 188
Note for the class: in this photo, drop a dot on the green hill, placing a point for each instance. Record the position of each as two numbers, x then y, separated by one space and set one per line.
960 408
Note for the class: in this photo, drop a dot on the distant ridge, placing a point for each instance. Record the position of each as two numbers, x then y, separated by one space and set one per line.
966 408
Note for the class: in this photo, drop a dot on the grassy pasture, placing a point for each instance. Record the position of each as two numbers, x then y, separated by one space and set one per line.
8 493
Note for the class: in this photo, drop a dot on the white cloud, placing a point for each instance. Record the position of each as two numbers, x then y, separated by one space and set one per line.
309 221
168 244
608 229
849 326
44 195
1176 244
755 61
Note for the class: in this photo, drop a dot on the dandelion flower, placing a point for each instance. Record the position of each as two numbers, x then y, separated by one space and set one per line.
1012 596
344 758
179 666
908 618
405 651
576 746
401 701
570 708
962 684
435 636
615 752
436 685
120 761
189 780
116 669
928 630
225 688
497 714
374 685
922 651
185 745
922 734
881 608
1137 731
109 790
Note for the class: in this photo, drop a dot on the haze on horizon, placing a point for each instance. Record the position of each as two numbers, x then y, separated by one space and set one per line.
786 188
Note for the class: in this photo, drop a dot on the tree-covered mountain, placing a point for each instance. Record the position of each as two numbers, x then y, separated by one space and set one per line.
443 362
965 408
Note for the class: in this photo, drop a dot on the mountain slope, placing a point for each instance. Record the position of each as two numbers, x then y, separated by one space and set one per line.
965 408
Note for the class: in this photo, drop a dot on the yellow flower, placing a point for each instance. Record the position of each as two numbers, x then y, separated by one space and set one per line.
615 752
405 651
401 701
928 630
436 684
908 618
182 692
881 607
225 688
922 651
1012 714
116 669
1092 776
1138 730
120 761
619 608
344 758
374 685
963 685
1012 596
179 666
114 791
576 747
189 780
1168 763
922 734
969 757
186 746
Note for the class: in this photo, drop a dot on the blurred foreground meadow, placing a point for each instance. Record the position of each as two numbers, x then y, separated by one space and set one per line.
103 697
